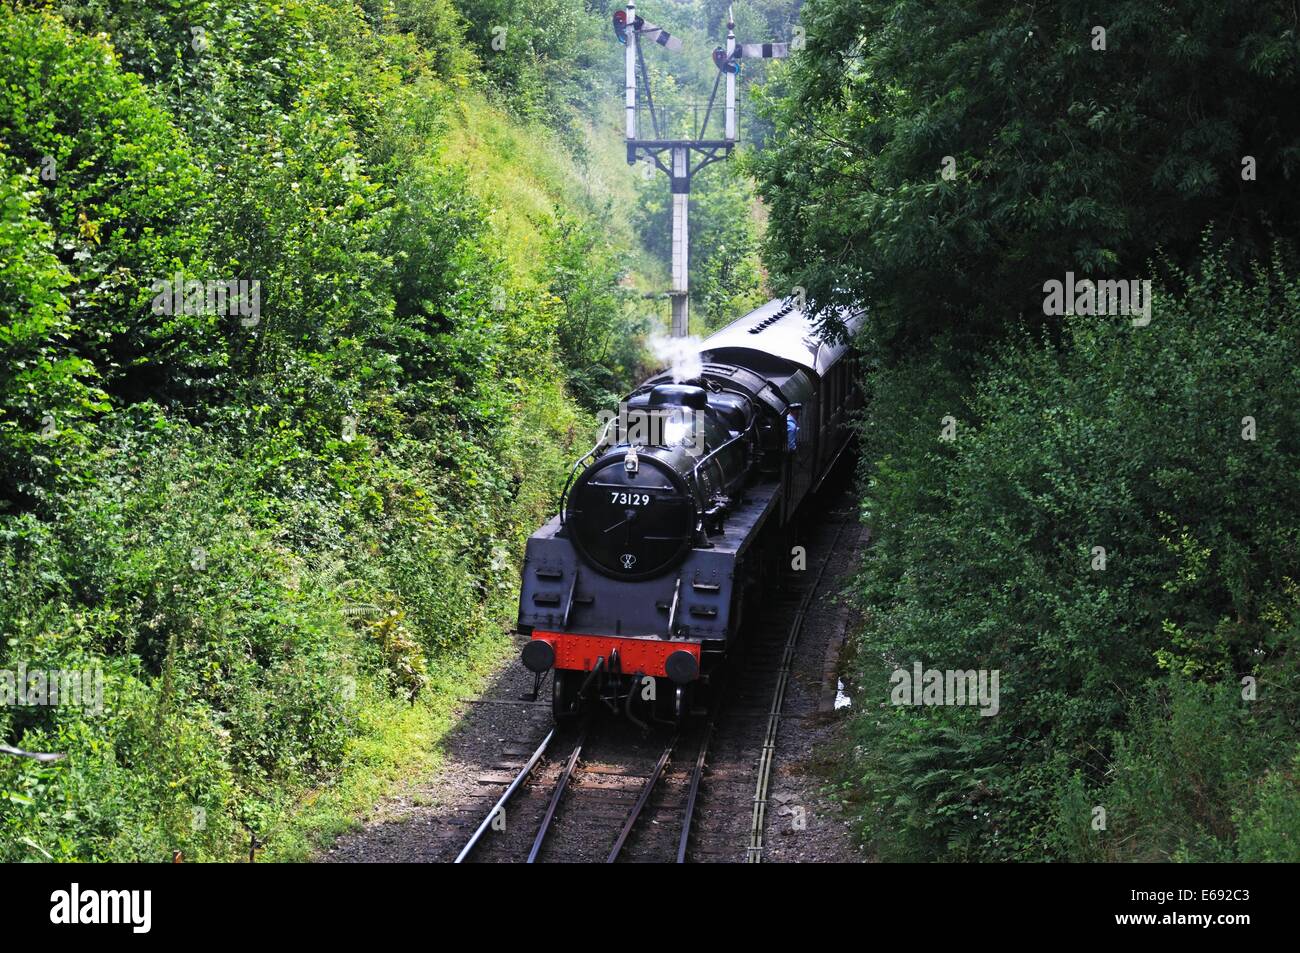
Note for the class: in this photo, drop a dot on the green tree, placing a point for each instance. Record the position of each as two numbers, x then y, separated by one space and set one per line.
1110 532
941 161
48 393
600 342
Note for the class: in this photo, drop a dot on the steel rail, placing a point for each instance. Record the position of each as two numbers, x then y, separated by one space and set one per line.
754 854
561 785
643 799
509 793
694 789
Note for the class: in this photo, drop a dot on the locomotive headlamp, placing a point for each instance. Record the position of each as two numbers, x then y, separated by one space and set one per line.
630 462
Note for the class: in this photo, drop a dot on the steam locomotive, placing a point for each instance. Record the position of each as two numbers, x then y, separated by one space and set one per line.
635 594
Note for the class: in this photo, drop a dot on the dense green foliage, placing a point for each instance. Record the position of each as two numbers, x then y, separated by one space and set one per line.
539 55
1104 512
1125 438
270 525
1063 156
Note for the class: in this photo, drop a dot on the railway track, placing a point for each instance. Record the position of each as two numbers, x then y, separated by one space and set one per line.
736 820
758 818
604 783
598 792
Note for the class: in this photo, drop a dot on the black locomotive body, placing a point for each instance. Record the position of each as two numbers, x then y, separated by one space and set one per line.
636 591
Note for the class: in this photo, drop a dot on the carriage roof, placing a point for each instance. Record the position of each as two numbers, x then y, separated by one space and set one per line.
779 329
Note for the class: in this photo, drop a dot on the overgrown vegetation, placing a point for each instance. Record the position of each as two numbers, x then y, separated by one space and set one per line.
1101 509
283 530
945 159
1106 539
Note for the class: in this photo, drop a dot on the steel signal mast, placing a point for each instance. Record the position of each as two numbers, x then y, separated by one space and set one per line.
681 159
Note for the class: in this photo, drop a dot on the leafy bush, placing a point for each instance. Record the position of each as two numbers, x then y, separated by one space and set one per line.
1173 448
538 55
942 161
121 195
272 536
48 393
594 334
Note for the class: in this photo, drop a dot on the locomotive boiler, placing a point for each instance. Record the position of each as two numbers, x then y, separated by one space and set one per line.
635 593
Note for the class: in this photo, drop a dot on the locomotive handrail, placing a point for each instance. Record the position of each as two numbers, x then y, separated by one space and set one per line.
590 455
672 610
578 464
568 608
695 471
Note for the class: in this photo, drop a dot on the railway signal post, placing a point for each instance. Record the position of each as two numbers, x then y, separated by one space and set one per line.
679 159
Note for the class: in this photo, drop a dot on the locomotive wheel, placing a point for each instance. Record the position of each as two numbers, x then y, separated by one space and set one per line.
564 696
